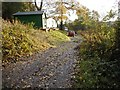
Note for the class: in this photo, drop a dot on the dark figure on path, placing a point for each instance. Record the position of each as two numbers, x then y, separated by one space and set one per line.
71 33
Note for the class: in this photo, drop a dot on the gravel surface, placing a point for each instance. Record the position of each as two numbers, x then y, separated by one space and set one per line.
53 68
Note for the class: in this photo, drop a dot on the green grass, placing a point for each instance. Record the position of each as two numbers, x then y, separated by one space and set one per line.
54 38
57 37
20 40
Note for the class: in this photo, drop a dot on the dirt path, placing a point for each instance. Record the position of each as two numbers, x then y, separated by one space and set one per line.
52 69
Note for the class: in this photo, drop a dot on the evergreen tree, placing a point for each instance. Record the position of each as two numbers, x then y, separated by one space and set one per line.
9 8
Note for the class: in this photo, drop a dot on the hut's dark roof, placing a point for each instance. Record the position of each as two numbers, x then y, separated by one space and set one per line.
29 13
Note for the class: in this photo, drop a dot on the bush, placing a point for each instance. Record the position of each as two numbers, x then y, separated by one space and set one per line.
21 40
96 69
18 40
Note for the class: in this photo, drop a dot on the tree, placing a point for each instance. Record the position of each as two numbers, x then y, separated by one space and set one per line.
111 14
95 16
28 6
56 9
116 51
62 8
84 18
8 10
39 8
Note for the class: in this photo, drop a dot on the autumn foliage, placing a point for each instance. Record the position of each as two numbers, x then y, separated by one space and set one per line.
22 40
97 67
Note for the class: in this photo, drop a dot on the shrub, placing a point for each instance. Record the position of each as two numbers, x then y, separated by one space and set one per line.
96 69
17 40
21 40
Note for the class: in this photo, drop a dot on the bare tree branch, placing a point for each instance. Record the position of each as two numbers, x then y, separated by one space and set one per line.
38 8
41 5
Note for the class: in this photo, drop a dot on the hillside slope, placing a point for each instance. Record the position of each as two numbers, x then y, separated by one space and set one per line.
22 40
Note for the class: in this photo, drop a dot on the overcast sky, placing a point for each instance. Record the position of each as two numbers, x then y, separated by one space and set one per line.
102 6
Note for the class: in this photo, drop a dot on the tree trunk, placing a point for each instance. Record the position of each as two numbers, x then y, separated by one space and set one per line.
61 24
38 8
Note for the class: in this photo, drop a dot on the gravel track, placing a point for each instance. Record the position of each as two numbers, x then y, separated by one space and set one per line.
53 68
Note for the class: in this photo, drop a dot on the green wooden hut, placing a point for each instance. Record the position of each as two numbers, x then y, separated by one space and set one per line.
37 17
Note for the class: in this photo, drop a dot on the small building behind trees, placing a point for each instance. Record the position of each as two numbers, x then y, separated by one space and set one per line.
38 18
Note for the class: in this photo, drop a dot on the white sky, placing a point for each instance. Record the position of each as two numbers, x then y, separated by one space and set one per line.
102 6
